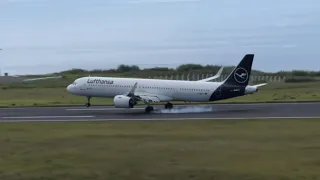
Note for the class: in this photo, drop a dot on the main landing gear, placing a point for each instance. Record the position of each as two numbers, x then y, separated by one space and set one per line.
88 103
149 109
168 106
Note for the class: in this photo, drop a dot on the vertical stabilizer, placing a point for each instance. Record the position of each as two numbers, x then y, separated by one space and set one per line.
236 82
240 76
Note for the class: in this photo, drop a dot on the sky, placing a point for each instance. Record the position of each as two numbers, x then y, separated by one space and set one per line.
45 36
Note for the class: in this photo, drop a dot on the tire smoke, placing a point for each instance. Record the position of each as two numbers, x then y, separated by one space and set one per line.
187 109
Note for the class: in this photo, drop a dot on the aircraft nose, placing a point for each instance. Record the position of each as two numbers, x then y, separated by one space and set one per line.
69 88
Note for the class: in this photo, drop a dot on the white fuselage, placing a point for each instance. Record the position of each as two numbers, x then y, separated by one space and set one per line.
164 90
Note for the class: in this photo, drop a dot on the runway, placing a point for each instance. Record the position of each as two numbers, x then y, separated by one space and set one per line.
181 112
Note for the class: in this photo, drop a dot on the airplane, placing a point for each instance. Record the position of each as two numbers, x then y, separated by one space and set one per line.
127 92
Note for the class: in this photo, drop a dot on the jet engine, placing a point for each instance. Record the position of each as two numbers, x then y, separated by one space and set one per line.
251 89
121 101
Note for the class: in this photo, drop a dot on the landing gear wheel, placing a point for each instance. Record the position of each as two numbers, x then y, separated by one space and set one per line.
168 106
149 109
88 103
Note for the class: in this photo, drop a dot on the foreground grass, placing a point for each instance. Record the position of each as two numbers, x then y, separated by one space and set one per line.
224 150
59 96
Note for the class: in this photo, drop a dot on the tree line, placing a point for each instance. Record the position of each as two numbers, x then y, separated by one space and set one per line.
188 68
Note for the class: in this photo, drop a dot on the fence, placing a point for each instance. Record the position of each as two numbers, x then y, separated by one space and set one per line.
195 77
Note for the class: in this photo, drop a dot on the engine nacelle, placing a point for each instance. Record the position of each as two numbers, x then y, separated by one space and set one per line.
121 101
250 89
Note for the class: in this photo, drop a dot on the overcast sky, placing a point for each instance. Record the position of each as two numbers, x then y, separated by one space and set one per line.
43 36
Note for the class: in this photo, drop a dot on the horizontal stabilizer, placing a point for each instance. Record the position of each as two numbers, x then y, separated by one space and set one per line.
213 77
259 85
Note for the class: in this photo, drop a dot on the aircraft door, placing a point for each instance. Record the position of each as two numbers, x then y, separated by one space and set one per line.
83 87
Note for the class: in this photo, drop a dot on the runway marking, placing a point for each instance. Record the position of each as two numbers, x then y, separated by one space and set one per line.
212 104
155 119
102 109
39 117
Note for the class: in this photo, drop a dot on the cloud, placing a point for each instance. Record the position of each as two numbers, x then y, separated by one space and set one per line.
270 46
22 1
18 1
162 1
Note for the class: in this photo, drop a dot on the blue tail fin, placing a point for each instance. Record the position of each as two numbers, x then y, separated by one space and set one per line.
240 76
236 82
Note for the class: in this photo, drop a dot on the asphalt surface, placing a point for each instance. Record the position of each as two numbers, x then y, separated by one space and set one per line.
181 112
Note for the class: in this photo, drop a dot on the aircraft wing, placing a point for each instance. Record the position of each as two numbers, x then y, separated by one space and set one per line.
259 85
213 77
146 97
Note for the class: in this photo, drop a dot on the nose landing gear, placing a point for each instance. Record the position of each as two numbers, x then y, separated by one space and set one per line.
88 103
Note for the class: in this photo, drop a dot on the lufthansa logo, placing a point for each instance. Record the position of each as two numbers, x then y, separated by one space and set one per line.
241 75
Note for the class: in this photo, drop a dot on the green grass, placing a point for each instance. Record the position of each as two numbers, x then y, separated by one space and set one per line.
41 96
186 150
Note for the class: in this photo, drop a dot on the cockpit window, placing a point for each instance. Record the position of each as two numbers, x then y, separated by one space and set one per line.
74 83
